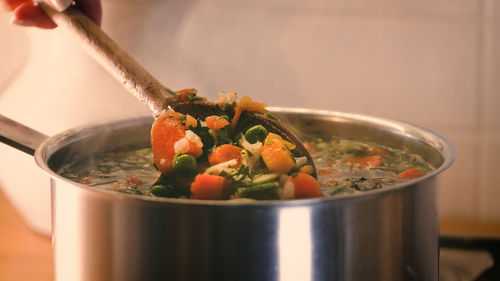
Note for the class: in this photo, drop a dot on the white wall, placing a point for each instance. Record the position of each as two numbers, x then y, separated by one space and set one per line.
433 63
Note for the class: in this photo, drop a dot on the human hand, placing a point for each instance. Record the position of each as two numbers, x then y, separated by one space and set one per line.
27 12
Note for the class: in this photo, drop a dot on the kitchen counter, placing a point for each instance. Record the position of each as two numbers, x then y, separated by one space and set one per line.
25 255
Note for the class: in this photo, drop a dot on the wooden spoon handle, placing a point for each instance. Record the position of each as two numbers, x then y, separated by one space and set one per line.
110 56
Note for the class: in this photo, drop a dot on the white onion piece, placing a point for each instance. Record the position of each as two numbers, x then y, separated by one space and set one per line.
181 146
224 166
194 138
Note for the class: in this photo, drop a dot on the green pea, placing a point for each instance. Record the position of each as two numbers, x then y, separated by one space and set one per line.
184 164
163 191
256 133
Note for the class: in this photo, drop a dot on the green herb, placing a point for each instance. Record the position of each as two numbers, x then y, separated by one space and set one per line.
194 97
223 136
355 185
206 138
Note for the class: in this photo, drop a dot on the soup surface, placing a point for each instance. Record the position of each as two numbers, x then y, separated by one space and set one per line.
344 167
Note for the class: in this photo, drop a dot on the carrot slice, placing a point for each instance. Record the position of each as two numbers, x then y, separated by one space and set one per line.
306 186
410 174
216 123
190 122
236 117
276 155
368 161
224 153
207 187
166 130
185 93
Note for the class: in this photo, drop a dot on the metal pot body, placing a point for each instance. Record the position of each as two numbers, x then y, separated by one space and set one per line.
389 234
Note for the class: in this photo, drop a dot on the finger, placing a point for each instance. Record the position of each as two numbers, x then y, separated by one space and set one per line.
60 5
28 14
10 5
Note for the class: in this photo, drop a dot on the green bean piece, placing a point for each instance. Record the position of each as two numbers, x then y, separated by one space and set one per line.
256 133
245 191
184 164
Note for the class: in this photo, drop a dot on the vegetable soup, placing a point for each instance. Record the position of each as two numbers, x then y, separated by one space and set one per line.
226 157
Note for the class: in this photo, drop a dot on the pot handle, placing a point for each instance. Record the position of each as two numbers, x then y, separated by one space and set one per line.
19 136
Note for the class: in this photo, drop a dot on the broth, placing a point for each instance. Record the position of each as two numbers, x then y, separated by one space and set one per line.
344 167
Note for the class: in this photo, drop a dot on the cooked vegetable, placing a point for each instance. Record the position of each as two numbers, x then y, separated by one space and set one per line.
248 191
368 161
224 153
216 122
276 155
184 164
305 186
166 131
248 104
163 191
410 174
236 117
227 157
207 187
256 133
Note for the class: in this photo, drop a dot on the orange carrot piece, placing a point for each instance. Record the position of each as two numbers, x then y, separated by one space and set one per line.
194 150
276 155
166 130
306 186
368 161
236 117
224 153
248 104
207 187
216 123
190 122
410 174
184 93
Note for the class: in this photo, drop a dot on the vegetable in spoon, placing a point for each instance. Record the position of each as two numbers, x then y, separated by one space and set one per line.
226 157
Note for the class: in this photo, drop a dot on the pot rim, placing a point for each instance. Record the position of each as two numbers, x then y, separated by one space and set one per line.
435 140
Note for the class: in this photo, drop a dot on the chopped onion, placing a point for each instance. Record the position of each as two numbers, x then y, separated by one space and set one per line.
224 166
300 161
194 138
288 191
181 146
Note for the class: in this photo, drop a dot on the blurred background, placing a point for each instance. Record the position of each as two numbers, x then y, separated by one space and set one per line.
432 63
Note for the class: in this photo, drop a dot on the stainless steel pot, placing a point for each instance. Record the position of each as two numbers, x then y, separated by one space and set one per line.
387 234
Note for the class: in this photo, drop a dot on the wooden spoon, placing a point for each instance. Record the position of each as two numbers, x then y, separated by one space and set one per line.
142 84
